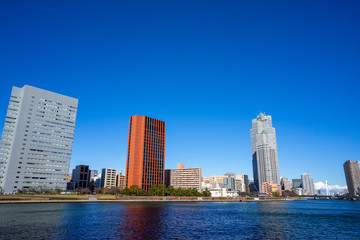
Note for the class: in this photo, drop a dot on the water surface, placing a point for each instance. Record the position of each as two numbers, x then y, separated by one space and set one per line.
312 219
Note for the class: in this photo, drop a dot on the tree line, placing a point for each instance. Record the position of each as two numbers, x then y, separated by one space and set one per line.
155 190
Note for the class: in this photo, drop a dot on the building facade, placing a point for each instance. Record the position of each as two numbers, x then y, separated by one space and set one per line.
120 180
307 184
36 143
269 188
264 151
95 181
108 178
285 184
230 183
213 182
242 183
352 175
182 177
297 183
80 177
145 165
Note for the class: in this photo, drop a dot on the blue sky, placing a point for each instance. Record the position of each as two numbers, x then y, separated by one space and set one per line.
205 67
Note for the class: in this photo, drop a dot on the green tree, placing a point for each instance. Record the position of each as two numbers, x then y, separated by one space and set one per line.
275 194
134 190
206 193
142 192
169 191
157 190
126 191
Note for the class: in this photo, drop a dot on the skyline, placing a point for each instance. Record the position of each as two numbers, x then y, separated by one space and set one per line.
261 115
207 75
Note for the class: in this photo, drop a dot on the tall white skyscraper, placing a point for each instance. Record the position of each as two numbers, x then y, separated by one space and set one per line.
307 184
36 143
264 151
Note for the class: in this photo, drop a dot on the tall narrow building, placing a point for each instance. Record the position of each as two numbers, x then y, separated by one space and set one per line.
37 139
264 151
146 152
352 175
307 184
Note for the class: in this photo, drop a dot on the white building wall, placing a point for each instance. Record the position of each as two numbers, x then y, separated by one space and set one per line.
223 192
37 138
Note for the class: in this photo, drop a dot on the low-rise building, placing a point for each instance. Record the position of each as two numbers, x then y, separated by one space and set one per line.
80 178
229 182
120 180
297 183
242 183
205 183
108 178
223 192
213 182
285 184
182 177
269 188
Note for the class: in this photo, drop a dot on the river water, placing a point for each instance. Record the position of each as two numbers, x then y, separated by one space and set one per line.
311 219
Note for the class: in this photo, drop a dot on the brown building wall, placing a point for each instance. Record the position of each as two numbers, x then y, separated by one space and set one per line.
183 178
134 163
146 152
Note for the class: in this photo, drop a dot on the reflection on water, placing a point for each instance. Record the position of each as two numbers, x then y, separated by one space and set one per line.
140 221
321 219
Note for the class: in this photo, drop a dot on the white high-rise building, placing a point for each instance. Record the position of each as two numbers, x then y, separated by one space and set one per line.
307 184
264 151
36 143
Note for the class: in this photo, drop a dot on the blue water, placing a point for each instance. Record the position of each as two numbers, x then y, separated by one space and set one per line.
312 219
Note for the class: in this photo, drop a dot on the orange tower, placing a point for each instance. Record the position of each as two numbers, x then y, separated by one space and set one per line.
146 152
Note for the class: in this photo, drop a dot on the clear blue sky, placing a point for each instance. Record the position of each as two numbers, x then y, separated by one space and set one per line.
205 67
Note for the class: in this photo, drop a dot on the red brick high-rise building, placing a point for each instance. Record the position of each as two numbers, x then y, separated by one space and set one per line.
146 152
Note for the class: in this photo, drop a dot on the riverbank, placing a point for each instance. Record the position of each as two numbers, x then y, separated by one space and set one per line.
5 199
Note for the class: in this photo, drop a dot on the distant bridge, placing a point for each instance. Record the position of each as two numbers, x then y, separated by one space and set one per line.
317 196
331 197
